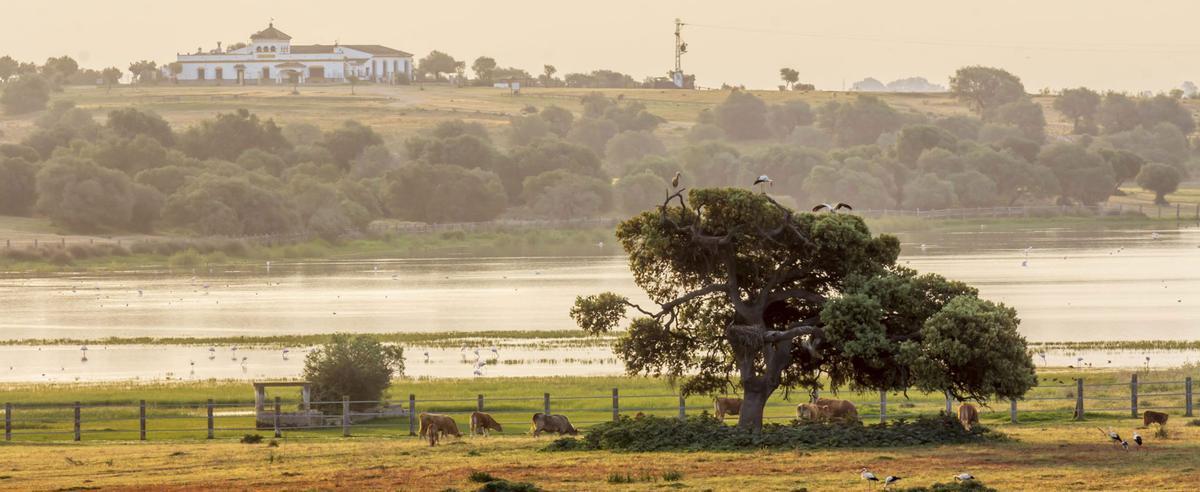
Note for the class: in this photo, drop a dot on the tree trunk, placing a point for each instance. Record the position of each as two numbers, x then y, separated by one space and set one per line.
1160 199
754 403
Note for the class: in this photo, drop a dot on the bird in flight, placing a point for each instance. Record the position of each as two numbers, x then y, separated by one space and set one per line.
832 208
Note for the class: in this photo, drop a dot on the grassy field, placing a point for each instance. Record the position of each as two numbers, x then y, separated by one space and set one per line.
1045 450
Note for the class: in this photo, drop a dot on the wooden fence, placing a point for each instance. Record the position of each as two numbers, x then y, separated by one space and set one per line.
1177 211
1073 400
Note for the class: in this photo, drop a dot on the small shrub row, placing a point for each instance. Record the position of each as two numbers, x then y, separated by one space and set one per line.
703 432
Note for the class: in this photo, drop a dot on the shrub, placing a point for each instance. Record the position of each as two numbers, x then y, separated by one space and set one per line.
968 486
81 252
703 432
185 259
482 477
672 476
507 486
234 247
357 366
252 439
60 258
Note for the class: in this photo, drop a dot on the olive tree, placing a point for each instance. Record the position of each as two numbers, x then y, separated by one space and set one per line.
1159 178
749 294
357 366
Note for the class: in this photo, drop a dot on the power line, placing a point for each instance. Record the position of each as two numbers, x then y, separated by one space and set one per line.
1126 48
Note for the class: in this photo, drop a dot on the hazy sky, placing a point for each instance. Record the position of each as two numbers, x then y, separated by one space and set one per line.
1107 44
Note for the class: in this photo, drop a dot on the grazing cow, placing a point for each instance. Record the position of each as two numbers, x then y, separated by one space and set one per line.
1152 417
968 415
445 424
432 431
558 424
837 410
481 423
727 406
808 412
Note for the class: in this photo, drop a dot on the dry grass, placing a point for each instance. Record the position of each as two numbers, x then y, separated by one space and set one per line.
1065 456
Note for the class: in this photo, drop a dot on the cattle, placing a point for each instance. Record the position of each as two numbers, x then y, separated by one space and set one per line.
1152 417
558 424
808 412
727 406
837 410
445 424
433 432
968 415
481 423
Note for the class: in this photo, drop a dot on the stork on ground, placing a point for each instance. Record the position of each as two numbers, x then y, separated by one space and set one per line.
763 179
868 476
964 477
891 479
1137 438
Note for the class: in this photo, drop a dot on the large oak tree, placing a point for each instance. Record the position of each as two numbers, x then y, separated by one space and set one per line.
750 294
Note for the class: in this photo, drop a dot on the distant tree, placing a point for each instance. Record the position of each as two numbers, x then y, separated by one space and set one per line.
1189 88
638 192
1166 109
147 207
632 116
524 130
595 104
348 141
1118 113
1163 143
547 77
858 123
561 194
1083 175
230 134
130 122
916 139
8 68
260 160
859 188
1026 116
974 189
963 127
374 162
483 68
454 128
594 133
1159 178
301 133
1080 105
438 63
659 165
787 165
59 70
167 179
1125 165
355 366
559 119
1015 177
986 88
701 132
229 206
742 116
782 119
552 155
26 94
711 164
82 196
30 154
789 76
444 193
928 191
144 71
18 185
129 155
631 146
111 77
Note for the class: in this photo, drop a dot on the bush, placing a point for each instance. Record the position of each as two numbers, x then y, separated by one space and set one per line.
186 259
357 366
482 477
507 486
968 486
60 258
703 432
252 439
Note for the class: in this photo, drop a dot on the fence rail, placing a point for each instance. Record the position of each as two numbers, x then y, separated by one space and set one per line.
141 420
1178 211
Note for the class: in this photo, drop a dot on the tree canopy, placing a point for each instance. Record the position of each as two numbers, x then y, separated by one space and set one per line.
354 366
750 294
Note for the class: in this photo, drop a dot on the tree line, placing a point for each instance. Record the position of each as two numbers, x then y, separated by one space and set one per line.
487 72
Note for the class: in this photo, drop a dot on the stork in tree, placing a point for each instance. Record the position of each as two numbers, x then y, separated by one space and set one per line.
749 294
832 208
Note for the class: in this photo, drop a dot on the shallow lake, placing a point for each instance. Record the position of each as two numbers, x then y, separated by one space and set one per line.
1082 283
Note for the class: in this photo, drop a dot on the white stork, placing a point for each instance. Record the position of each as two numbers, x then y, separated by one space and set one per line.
832 207
964 477
891 479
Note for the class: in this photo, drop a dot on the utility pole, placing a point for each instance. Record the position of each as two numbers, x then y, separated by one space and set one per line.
680 50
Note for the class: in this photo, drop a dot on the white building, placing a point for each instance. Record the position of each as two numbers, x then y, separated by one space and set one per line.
272 58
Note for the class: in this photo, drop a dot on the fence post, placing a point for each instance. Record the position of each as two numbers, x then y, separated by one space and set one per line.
1187 394
1079 398
682 407
479 403
142 420
77 422
616 405
345 416
1012 410
882 406
546 403
8 419
412 414
210 418
277 433
1178 213
1133 393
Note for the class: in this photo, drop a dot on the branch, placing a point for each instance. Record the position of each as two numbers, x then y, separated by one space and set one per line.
804 294
791 333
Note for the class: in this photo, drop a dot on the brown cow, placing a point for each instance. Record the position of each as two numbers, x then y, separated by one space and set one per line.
558 424
968 415
481 423
445 424
724 406
433 432
808 412
1152 417
837 410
